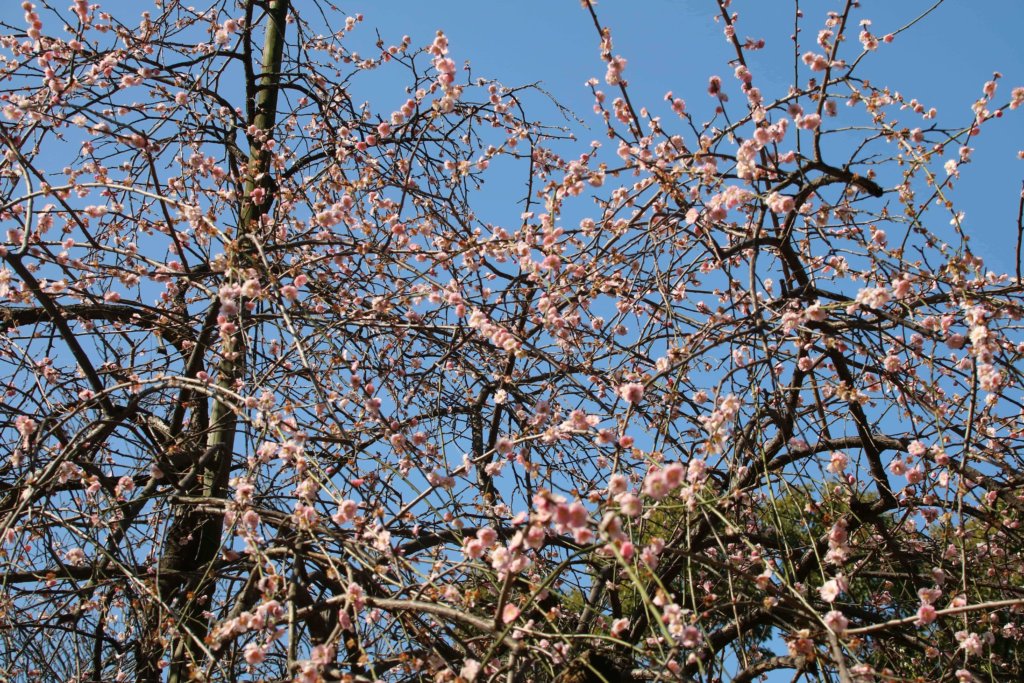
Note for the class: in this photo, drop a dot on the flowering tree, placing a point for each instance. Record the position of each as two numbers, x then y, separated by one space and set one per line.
717 399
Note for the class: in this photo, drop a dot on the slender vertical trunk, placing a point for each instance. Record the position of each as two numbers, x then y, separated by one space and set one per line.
194 538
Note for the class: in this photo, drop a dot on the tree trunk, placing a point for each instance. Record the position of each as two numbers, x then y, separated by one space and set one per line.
194 538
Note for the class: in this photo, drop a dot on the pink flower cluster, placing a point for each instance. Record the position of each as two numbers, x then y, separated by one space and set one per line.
498 335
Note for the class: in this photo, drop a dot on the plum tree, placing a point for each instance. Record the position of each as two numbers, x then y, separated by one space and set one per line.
716 399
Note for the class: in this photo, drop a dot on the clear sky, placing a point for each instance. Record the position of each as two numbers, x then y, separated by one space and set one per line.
675 45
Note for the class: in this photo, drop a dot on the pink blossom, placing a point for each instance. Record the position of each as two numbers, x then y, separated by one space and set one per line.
25 425
505 561
829 591
322 654
989 377
869 41
674 473
926 614
970 642
901 287
632 392
251 519
690 637
616 66
1016 97
815 312
656 485
892 363
696 470
873 297
473 548
778 203
487 535
837 462
551 262
470 670
572 516
509 613
630 505
836 621
255 653
809 122
816 62
617 484
124 485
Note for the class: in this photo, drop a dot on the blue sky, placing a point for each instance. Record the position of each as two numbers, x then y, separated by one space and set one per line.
675 45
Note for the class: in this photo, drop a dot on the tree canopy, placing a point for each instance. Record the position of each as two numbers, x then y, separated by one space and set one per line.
717 398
